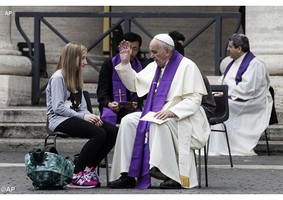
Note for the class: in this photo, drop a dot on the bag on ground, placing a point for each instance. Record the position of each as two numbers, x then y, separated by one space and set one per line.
47 169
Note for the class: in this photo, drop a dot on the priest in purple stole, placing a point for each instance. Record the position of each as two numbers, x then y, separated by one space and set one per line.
250 102
143 149
111 91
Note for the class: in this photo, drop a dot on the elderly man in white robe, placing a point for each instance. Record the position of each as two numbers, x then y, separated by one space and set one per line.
174 88
250 102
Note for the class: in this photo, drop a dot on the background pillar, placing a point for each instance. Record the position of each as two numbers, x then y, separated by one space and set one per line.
264 30
14 68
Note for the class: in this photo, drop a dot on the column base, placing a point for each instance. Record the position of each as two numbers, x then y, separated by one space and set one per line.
15 90
15 65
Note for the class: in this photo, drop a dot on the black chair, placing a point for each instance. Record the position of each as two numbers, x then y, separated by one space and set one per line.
23 47
221 114
117 35
198 165
53 134
273 118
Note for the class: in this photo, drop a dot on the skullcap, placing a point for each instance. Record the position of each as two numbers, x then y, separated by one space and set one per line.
165 38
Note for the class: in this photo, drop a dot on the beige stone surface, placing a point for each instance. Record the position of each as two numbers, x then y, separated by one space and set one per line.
15 65
264 29
15 90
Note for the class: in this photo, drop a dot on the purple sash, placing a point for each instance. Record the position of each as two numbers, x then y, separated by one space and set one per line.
139 166
243 67
119 89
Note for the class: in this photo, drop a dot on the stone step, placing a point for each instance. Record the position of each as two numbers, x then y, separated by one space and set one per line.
24 136
26 114
22 130
27 144
75 145
29 122
22 114
275 147
274 132
24 127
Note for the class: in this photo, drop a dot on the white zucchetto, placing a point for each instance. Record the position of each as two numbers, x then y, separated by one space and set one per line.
165 38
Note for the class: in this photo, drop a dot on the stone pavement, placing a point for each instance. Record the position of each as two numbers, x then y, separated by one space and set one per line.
260 174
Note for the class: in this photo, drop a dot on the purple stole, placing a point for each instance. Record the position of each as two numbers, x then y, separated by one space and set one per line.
139 166
243 67
119 89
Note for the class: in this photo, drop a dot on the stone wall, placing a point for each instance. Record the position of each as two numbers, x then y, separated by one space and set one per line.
265 32
262 27
87 30
84 30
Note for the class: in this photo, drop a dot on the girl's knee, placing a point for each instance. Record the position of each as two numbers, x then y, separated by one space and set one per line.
101 135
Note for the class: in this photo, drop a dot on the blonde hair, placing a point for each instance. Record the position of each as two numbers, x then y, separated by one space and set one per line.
70 68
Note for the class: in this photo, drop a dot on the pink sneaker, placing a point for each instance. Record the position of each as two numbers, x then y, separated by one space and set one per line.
82 180
92 173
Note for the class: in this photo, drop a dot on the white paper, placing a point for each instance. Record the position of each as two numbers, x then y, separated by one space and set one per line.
150 117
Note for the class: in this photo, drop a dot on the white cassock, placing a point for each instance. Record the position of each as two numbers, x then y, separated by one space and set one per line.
170 143
247 119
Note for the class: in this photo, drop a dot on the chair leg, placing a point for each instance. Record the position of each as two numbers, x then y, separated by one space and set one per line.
199 168
107 172
45 140
195 159
207 148
50 143
205 166
228 145
106 168
98 170
54 141
267 144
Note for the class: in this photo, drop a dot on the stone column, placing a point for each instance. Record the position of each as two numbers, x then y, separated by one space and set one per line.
264 30
15 85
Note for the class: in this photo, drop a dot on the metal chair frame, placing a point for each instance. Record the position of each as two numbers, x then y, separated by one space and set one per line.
198 165
273 118
221 114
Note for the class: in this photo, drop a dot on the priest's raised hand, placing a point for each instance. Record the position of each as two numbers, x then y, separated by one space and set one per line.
125 52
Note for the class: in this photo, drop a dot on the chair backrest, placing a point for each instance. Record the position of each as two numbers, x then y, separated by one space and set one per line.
273 117
117 35
220 93
23 47
88 102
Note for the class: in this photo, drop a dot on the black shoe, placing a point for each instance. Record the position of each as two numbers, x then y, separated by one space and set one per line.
123 182
170 184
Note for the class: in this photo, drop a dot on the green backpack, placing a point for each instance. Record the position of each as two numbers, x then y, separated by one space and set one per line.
47 169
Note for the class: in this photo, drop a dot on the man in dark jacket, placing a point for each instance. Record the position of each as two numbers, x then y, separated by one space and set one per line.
115 100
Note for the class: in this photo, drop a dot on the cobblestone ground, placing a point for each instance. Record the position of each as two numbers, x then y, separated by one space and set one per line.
250 175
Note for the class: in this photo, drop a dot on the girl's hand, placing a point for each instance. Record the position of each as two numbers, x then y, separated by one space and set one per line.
93 119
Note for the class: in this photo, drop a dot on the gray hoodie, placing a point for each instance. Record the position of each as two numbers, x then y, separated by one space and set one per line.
58 107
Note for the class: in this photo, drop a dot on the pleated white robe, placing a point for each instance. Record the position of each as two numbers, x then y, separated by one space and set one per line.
170 143
247 119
